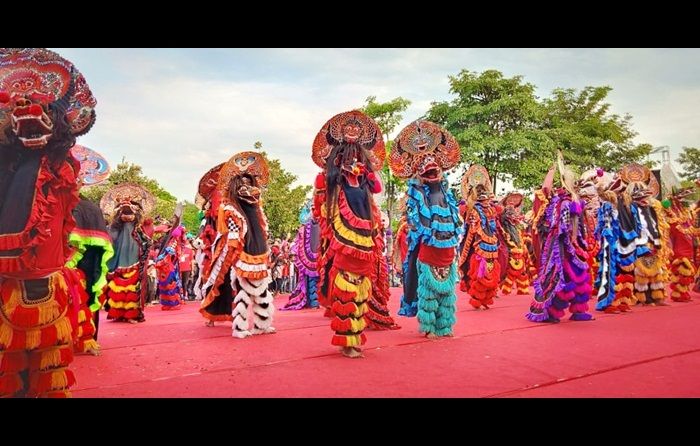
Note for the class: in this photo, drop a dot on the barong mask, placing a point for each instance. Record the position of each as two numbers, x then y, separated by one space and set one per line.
245 173
476 185
358 133
641 183
127 202
39 87
425 150
512 208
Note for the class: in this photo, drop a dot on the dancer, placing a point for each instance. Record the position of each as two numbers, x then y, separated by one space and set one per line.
127 283
305 250
682 233
421 153
517 277
93 249
563 279
239 274
353 280
478 264
208 199
45 103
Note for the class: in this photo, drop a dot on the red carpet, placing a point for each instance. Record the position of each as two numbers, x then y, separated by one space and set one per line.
651 352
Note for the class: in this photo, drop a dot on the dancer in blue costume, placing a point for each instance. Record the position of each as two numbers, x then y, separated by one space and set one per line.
421 153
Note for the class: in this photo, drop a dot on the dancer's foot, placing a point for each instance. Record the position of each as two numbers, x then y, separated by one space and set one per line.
350 352
662 304
268 330
486 307
93 351
209 323
132 321
241 334
431 336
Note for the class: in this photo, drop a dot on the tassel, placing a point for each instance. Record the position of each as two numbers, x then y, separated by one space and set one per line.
32 339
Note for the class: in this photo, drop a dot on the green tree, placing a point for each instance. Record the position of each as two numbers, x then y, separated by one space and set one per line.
495 120
501 124
190 217
580 123
388 115
281 202
689 159
127 172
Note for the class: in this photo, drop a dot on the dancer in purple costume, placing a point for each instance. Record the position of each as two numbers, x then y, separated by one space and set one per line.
564 279
305 250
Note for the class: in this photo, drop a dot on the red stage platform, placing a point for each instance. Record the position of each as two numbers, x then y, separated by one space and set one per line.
650 352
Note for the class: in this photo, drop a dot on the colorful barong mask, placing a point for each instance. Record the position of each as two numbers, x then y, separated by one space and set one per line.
353 127
37 87
476 184
247 172
425 150
512 208
641 183
127 202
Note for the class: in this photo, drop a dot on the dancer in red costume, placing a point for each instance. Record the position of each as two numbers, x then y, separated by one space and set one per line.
45 103
517 277
353 275
683 231
478 264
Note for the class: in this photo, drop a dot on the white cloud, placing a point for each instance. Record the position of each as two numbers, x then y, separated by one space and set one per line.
179 112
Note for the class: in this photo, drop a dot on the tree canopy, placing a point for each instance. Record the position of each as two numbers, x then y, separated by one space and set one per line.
281 202
689 159
501 124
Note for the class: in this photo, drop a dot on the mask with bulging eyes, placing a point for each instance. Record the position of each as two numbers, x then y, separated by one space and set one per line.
639 193
128 211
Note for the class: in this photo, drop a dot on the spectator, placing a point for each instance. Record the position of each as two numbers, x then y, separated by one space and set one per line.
186 260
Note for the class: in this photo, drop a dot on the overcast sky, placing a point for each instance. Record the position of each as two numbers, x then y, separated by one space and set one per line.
178 112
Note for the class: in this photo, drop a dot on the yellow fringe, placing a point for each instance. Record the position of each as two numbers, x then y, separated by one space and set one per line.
361 290
59 380
348 234
82 317
64 331
50 359
353 340
121 289
357 325
361 310
48 312
129 274
123 305
15 298
33 339
647 272
5 335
